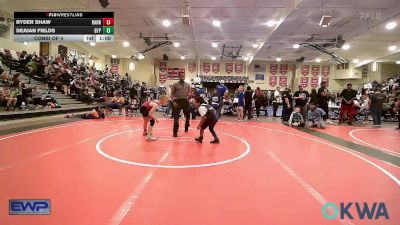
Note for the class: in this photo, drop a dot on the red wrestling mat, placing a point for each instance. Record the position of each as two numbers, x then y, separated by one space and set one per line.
106 173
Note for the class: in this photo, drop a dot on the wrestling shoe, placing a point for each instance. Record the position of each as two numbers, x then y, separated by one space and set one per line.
199 139
215 141
150 137
175 134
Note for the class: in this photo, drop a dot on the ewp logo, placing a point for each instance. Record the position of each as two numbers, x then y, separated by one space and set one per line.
375 211
29 207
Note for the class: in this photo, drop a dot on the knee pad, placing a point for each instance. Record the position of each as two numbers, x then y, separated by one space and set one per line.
152 122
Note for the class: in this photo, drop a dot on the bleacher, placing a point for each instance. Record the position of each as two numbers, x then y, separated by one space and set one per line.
68 103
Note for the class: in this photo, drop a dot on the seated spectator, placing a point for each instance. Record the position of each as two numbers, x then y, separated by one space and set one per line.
296 119
37 95
16 80
315 117
4 77
32 66
117 102
133 104
9 96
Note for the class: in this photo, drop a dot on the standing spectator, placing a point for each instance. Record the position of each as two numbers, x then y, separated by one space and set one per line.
376 106
346 110
248 103
221 90
258 101
143 93
66 79
302 98
397 108
287 105
240 106
323 97
315 117
277 100
179 93
314 96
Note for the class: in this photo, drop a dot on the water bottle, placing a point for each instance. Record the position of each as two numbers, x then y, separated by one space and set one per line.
23 107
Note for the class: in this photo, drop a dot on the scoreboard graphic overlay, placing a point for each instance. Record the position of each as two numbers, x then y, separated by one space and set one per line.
64 26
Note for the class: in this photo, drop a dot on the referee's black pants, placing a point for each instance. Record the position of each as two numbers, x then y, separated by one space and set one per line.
181 104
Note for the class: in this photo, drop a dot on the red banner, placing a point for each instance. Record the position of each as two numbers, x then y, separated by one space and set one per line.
325 70
282 81
305 70
229 67
283 68
239 67
215 67
114 68
163 78
325 79
206 67
192 67
273 68
314 82
273 80
315 70
304 81
163 67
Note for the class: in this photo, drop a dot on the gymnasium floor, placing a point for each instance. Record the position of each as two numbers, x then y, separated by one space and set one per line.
104 172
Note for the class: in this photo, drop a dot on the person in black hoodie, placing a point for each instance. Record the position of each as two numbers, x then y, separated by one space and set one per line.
287 105
66 79
248 103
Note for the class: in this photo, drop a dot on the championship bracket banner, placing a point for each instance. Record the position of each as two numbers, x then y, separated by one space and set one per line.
304 81
314 82
173 73
229 67
325 70
315 70
215 67
273 80
282 81
305 70
273 68
206 67
192 67
239 67
283 68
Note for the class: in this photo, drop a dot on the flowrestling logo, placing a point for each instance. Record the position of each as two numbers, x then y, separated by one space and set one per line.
29 207
374 211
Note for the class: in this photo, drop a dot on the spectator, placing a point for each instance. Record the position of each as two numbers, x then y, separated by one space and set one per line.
277 100
314 96
117 102
302 99
258 101
66 79
287 105
346 110
376 106
6 94
248 103
296 119
240 105
221 90
315 117
323 97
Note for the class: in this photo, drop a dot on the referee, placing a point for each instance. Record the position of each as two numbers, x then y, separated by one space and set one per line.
179 94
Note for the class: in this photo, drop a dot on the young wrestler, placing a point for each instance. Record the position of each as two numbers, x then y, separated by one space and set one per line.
147 110
209 118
